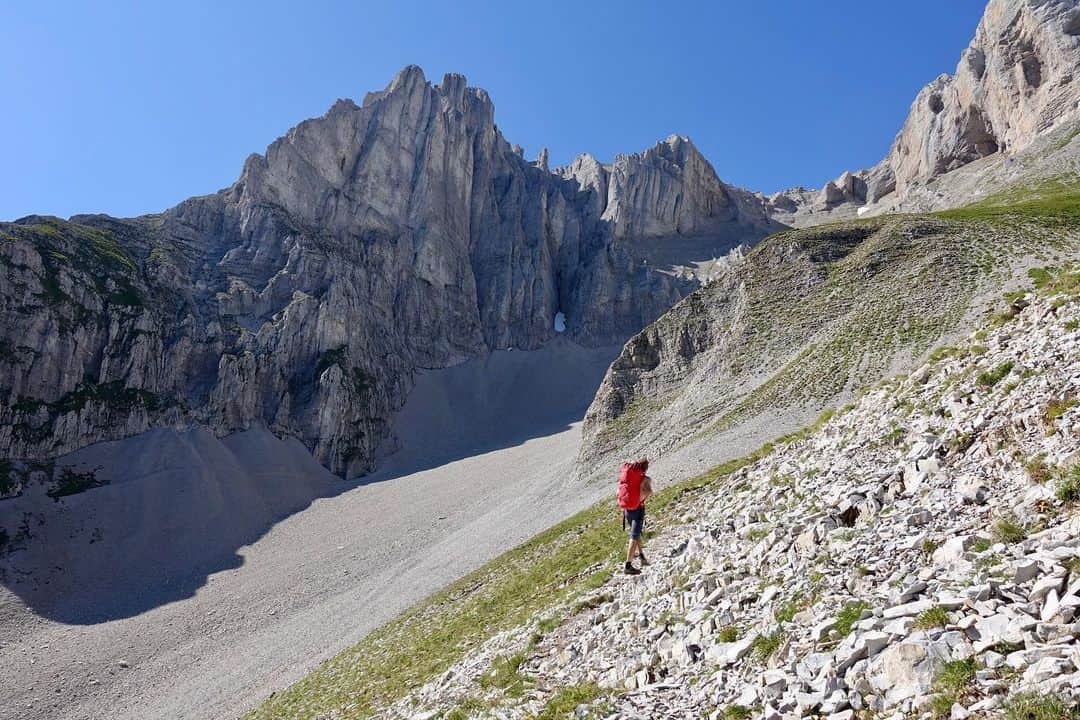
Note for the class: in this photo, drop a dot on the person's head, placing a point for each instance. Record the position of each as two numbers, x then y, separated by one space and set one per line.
642 465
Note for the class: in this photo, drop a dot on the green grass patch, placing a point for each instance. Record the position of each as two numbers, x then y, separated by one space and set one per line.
1037 706
1041 277
765 645
786 612
942 353
961 443
1007 648
1067 489
941 705
505 675
1009 530
981 545
1052 202
728 634
563 704
893 437
990 378
850 614
953 682
1056 408
736 712
957 675
934 617
1037 469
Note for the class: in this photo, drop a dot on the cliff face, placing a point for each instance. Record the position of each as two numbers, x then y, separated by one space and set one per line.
1016 81
400 234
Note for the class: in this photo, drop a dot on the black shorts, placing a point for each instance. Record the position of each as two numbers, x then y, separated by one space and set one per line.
636 518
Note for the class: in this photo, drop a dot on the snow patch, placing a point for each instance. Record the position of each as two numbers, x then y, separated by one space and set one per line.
560 322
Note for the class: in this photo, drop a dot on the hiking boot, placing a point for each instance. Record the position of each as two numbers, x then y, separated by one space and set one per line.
644 562
631 570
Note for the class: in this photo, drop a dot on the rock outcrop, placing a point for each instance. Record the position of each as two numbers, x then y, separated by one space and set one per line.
381 238
1016 81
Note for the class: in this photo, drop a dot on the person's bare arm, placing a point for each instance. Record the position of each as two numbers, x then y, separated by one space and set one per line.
646 488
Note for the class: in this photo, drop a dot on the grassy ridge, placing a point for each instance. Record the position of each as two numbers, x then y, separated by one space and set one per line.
1056 200
825 310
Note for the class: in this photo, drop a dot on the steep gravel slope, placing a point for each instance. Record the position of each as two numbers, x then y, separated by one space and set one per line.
216 626
915 556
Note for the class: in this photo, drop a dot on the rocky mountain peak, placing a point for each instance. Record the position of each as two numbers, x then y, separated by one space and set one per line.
408 77
1014 81
364 244
1014 84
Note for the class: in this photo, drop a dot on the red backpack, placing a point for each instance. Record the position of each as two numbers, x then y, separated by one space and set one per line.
630 476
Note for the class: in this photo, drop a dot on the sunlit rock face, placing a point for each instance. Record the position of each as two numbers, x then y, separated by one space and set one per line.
378 239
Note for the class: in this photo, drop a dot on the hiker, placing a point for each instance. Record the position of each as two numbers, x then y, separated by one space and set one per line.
635 487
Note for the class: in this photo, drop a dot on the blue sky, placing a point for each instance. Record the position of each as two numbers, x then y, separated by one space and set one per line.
128 108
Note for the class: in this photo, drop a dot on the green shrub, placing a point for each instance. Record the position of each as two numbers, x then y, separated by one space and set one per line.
957 675
934 617
73 483
850 614
1037 469
764 646
786 612
1068 485
7 484
728 634
990 378
1009 530
736 712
